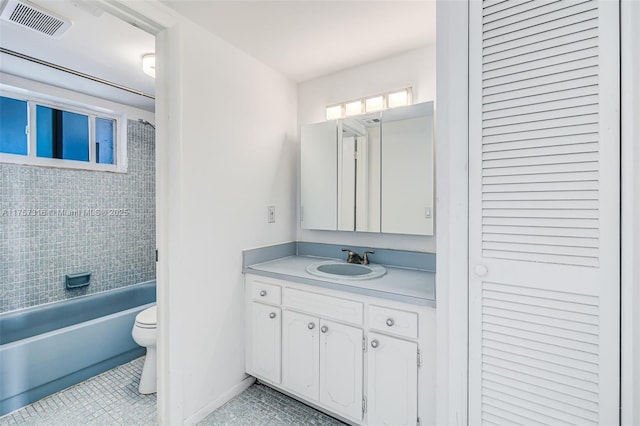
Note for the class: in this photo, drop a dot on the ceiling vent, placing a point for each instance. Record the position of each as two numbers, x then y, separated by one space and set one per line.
35 18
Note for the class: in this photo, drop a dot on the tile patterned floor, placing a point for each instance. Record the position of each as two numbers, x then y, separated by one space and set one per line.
261 405
112 398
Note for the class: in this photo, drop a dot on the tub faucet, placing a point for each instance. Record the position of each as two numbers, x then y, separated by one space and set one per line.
352 257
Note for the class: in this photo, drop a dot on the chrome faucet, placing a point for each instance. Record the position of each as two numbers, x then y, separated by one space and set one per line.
354 257
365 258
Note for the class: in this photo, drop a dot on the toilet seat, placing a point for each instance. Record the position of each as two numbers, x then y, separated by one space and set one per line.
147 318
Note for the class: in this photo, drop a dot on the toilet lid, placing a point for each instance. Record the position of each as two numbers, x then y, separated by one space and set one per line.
147 317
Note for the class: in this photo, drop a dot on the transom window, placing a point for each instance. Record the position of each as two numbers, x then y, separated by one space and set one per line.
45 132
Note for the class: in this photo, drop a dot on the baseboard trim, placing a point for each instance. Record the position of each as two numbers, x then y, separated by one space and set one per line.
220 401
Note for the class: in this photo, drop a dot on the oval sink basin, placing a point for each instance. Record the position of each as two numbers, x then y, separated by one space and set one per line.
345 271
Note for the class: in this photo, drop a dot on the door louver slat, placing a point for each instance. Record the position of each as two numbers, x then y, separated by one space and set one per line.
502 195
562 177
532 230
581 183
542 142
591 166
493 6
550 223
542 151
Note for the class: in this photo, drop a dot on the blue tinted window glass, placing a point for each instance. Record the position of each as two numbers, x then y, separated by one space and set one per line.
104 140
61 134
75 136
13 125
44 132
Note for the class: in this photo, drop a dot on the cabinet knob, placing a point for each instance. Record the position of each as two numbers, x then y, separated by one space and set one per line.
481 270
272 315
390 322
311 325
263 293
374 344
324 328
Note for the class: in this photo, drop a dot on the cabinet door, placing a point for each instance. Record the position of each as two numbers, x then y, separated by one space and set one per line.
407 170
300 353
319 176
265 342
341 368
392 381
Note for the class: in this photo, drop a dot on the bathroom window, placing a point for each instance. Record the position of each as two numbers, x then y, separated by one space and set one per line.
13 126
105 138
47 132
61 134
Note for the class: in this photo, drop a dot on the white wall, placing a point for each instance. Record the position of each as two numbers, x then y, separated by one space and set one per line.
415 68
227 125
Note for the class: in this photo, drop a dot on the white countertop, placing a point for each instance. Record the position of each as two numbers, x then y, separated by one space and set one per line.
401 284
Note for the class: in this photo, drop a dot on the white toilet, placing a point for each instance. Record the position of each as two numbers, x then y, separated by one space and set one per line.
144 334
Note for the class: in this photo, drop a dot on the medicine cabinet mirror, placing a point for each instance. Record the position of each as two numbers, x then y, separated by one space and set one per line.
369 173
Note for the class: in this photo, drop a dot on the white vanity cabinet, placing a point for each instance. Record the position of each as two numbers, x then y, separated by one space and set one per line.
322 361
265 327
263 332
301 354
341 361
392 387
354 356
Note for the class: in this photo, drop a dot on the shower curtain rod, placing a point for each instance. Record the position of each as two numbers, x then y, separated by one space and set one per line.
76 73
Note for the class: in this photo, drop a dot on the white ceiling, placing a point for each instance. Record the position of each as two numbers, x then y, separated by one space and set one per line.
97 44
306 39
303 39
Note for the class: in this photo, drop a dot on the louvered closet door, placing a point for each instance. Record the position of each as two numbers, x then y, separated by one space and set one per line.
544 209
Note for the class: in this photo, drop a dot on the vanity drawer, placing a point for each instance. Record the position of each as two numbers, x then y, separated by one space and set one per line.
324 306
393 321
266 293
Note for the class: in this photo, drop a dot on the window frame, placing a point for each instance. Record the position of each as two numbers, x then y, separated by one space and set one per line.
34 99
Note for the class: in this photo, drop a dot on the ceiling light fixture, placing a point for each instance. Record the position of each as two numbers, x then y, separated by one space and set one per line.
149 64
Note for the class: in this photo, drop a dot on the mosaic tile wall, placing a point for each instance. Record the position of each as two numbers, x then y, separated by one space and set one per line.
65 236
